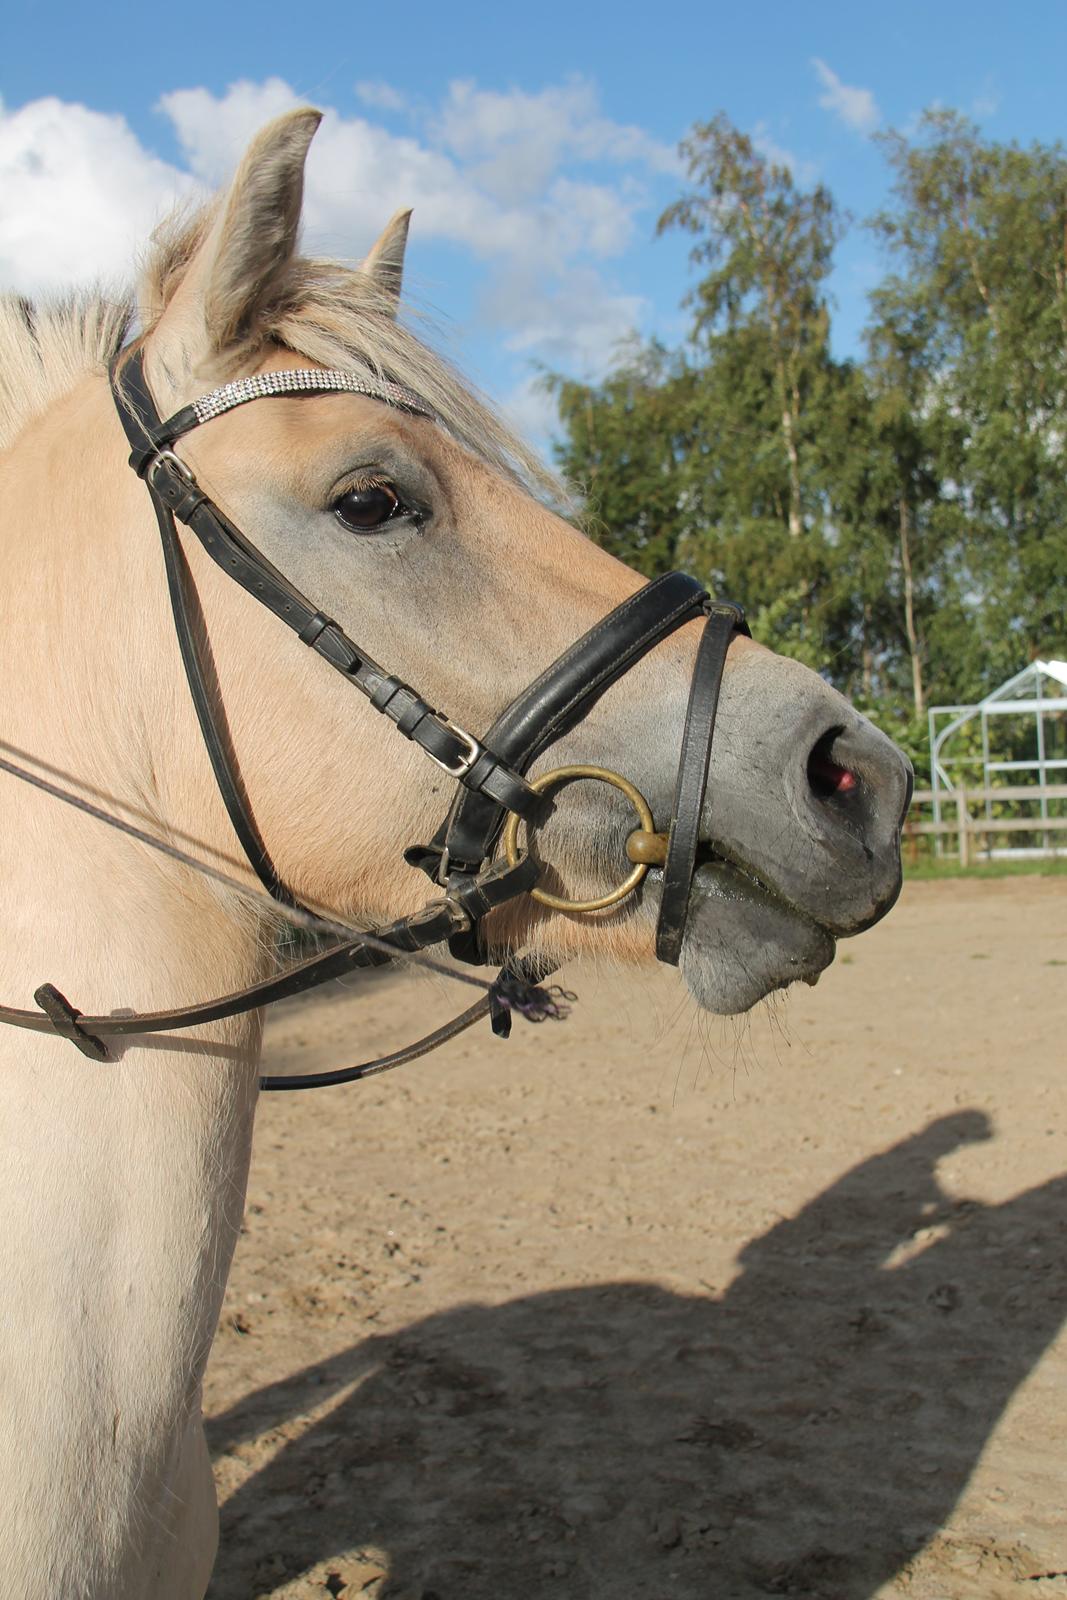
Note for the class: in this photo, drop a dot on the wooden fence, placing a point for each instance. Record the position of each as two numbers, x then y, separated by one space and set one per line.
972 817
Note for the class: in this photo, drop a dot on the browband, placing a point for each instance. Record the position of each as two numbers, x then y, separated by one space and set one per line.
290 380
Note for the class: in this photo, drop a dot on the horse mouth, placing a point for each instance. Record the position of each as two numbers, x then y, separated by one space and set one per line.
743 940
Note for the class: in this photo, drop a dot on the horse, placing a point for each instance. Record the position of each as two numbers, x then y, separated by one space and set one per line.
432 532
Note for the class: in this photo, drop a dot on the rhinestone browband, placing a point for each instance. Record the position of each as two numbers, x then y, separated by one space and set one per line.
299 380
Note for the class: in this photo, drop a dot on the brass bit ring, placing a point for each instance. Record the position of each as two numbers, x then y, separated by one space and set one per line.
556 779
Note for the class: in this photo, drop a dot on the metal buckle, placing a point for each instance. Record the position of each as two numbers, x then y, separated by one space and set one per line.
474 749
167 458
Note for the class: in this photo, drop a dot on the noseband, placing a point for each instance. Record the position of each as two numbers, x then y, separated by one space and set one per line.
493 794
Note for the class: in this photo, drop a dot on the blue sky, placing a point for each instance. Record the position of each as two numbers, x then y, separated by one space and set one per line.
536 143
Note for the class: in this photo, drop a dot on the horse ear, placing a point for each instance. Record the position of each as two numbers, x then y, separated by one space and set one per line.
384 265
245 252
256 231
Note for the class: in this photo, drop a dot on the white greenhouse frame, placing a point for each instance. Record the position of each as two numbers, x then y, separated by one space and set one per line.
1026 694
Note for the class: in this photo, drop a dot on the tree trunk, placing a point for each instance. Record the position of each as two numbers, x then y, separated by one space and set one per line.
795 524
909 607
758 241
868 654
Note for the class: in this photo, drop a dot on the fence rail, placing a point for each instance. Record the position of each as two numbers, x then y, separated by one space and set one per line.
966 828
1025 791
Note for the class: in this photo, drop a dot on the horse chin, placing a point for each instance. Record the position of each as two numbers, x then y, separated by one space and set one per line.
742 942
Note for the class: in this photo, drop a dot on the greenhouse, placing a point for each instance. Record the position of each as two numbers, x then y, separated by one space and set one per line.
999 768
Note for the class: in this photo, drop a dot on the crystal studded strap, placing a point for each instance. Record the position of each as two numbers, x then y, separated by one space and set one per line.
293 380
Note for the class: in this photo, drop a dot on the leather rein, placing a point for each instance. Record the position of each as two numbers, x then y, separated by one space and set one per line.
493 793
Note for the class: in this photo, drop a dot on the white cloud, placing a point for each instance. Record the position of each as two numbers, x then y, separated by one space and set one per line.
536 227
857 108
591 217
573 323
381 96
80 196
516 205
213 130
539 190
517 140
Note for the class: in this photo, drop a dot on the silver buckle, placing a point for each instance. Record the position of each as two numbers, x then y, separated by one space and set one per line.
169 459
474 749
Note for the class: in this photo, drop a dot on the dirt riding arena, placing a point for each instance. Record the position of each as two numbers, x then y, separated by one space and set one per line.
636 1307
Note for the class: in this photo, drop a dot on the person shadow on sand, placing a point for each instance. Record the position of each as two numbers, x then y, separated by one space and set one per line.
806 1433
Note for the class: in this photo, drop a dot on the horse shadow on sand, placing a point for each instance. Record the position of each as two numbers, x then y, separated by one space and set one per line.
806 1433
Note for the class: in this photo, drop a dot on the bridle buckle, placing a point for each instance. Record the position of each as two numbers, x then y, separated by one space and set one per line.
167 458
466 762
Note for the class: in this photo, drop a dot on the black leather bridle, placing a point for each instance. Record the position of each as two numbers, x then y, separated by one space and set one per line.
489 772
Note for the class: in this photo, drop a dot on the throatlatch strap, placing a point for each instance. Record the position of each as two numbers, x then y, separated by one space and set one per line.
199 673
210 712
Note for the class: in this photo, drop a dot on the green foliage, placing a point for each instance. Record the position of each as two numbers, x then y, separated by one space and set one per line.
626 442
898 524
974 323
760 320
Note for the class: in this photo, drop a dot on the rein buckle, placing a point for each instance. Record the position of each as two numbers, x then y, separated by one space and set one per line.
466 762
169 459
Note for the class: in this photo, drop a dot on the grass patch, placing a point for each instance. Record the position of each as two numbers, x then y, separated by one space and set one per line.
930 867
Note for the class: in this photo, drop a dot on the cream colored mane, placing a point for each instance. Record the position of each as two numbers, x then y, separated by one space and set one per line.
328 312
45 350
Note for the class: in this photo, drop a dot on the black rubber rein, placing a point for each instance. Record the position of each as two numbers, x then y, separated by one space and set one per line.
407 936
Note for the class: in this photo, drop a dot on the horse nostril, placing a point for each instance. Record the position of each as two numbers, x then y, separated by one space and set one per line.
826 777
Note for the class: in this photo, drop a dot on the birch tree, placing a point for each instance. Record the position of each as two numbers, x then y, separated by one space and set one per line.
764 249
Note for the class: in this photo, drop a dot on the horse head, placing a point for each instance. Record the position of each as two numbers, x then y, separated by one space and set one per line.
422 532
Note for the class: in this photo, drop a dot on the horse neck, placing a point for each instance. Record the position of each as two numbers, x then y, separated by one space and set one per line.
96 699
123 1200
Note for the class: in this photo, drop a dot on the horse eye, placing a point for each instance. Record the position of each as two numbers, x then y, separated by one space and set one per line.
368 508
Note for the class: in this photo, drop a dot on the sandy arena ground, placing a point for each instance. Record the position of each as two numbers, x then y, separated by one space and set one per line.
636 1307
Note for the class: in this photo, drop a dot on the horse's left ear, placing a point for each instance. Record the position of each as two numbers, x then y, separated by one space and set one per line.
384 264
241 260
256 233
